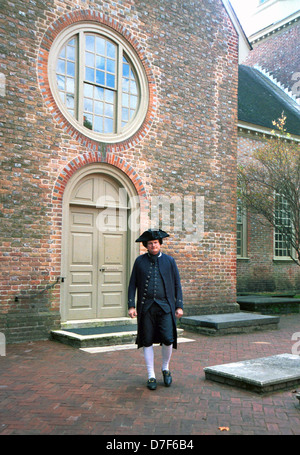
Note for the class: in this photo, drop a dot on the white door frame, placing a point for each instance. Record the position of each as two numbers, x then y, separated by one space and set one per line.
133 231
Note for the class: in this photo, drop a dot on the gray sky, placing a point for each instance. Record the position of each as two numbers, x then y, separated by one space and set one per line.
243 9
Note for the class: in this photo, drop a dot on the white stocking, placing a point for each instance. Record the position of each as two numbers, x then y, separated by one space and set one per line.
149 359
166 356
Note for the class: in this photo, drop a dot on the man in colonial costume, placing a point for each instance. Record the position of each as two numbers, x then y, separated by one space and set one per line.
156 278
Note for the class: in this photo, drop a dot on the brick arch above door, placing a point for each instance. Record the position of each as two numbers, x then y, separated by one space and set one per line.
89 158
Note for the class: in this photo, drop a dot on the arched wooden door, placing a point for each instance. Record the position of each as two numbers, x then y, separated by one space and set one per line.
96 250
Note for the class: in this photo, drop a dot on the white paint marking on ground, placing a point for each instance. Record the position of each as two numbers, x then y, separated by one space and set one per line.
121 347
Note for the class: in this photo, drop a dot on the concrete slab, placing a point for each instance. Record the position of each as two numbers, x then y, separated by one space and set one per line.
269 305
239 322
262 375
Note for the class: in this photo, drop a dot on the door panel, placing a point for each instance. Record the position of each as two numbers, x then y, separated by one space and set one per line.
80 301
112 269
97 252
82 264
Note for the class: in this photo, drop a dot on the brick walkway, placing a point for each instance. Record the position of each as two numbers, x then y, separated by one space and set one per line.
50 388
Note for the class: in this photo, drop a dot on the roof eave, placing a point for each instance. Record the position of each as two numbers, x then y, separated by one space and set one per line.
261 130
244 44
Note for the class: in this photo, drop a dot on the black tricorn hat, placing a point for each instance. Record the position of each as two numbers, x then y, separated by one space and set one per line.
152 234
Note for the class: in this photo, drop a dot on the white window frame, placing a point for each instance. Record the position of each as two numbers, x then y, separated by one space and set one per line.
123 46
242 228
276 233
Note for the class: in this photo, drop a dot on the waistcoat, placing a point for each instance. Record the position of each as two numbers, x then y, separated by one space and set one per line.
154 287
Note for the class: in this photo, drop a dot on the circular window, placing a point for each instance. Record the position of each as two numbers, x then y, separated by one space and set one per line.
98 82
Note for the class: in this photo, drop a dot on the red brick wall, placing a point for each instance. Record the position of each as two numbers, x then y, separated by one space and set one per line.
278 53
186 146
259 271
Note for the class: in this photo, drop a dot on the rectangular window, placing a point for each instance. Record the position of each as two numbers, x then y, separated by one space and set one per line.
241 231
282 249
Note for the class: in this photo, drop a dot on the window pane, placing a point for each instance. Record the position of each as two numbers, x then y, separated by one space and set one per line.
100 63
108 125
71 52
125 114
70 85
63 52
109 96
98 107
70 101
125 85
133 88
100 77
125 99
89 59
71 69
89 74
110 50
110 66
98 125
125 70
88 121
88 90
60 82
88 105
100 46
110 80
99 93
108 110
60 68
90 43
133 102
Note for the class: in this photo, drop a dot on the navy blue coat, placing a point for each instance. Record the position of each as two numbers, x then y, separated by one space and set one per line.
170 275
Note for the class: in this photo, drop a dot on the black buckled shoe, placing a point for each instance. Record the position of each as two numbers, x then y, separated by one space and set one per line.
167 377
151 384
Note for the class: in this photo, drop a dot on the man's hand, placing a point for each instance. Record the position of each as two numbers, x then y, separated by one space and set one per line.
178 312
132 312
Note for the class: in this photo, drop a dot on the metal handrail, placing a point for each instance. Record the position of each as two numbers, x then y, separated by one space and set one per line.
49 286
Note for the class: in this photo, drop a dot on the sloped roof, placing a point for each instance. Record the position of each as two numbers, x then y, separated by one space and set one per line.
260 101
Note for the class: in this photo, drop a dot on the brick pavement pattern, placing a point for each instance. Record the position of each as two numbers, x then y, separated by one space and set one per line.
49 388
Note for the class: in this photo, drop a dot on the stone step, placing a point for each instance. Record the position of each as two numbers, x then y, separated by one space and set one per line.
98 335
269 305
97 322
262 375
228 323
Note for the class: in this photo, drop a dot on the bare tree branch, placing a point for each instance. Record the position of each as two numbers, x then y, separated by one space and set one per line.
270 186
